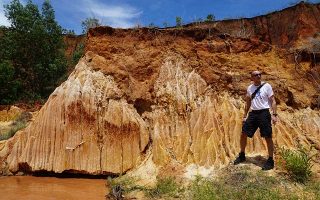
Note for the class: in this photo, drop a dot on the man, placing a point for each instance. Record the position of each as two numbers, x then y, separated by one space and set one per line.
259 101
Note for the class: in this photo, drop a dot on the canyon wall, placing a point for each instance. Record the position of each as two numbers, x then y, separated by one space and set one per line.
172 95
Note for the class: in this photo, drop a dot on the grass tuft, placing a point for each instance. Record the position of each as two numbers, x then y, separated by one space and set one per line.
298 163
165 187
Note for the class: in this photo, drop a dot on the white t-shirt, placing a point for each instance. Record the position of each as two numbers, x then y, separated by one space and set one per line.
261 100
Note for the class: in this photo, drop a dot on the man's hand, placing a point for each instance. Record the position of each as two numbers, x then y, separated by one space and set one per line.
244 120
274 116
274 119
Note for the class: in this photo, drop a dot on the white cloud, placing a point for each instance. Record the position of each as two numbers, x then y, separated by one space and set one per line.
114 14
119 16
3 20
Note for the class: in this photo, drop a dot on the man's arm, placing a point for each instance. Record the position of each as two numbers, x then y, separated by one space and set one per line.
273 105
274 116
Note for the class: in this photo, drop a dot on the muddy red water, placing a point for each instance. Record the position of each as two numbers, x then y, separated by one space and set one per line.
36 188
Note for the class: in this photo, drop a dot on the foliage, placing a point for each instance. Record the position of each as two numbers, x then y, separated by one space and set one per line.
78 53
239 185
202 189
210 18
68 32
8 85
178 21
314 187
165 187
126 183
34 47
298 163
19 123
88 23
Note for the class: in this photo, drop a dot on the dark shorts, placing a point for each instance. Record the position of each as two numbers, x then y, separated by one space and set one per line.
258 119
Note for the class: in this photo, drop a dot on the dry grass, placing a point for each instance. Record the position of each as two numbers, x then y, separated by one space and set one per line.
19 123
238 183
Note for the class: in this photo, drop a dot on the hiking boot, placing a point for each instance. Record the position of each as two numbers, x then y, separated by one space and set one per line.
241 158
268 165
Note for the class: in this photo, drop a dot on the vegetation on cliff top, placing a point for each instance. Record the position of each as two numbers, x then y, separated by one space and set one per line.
31 52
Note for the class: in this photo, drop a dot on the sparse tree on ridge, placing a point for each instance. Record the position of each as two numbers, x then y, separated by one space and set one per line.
152 25
210 18
178 21
90 22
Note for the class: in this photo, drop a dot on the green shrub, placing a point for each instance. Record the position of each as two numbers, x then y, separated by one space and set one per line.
78 53
126 183
164 187
298 163
241 185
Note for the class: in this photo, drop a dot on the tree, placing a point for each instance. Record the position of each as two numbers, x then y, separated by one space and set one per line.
68 32
8 85
88 23
178 21
34 45
210 18
78 53
151 25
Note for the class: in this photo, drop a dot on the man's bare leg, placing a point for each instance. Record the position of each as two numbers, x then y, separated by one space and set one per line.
243 143
270 162
270 147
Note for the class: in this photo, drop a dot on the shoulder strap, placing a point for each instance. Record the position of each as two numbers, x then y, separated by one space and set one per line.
256 91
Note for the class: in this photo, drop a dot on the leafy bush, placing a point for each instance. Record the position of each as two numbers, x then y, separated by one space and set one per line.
125 183
298 163
164 187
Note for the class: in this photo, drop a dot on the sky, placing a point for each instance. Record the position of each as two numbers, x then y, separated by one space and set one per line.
130 13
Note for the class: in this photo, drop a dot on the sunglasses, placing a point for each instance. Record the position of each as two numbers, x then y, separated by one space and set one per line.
256 75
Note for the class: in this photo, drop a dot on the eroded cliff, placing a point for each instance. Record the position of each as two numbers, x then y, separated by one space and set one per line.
172 95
